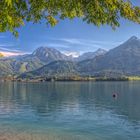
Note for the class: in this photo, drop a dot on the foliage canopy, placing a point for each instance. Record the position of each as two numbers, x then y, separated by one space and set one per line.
14 13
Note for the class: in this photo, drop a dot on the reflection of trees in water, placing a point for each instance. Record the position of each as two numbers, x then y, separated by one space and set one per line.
47 98
51 97
127 102
43 98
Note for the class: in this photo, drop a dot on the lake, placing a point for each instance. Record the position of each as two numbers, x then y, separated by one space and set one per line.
70 111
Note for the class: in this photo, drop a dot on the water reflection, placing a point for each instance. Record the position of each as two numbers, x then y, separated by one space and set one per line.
82 107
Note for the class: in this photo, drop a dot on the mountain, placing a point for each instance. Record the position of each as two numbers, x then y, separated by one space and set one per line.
91 55
5 67
49 54
61 64
124 59
30 62
40 57
55 68
44 61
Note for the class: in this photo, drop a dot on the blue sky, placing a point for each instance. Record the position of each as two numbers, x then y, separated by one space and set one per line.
69 36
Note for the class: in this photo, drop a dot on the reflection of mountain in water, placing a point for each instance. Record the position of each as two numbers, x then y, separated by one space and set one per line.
77 98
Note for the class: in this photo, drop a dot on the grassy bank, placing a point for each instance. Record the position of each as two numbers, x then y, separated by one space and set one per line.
133 78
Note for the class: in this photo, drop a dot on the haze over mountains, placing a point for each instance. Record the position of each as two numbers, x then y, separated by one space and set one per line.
122 60
91 55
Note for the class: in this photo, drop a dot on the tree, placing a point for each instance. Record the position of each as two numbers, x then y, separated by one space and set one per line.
13 13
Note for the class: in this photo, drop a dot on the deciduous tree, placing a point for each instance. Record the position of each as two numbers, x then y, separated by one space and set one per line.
14 13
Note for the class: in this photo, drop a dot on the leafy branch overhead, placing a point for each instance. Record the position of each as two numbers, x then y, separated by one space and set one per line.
13 13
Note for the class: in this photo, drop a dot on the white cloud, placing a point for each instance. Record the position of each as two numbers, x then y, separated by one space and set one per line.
10 48
69 53
7 54
83 44
7 49
71 40
10 51
58 45
76 46
88 42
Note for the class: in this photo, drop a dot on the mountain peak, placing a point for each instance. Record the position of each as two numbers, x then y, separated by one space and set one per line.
100 50
43 51
42 48
49 54
133 38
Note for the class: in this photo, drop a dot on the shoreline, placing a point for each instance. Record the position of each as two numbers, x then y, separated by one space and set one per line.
37 136
38 81
70 79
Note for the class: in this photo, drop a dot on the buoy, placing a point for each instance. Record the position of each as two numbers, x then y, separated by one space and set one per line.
114 95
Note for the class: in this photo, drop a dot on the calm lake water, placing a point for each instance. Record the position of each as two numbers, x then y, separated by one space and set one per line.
70 110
